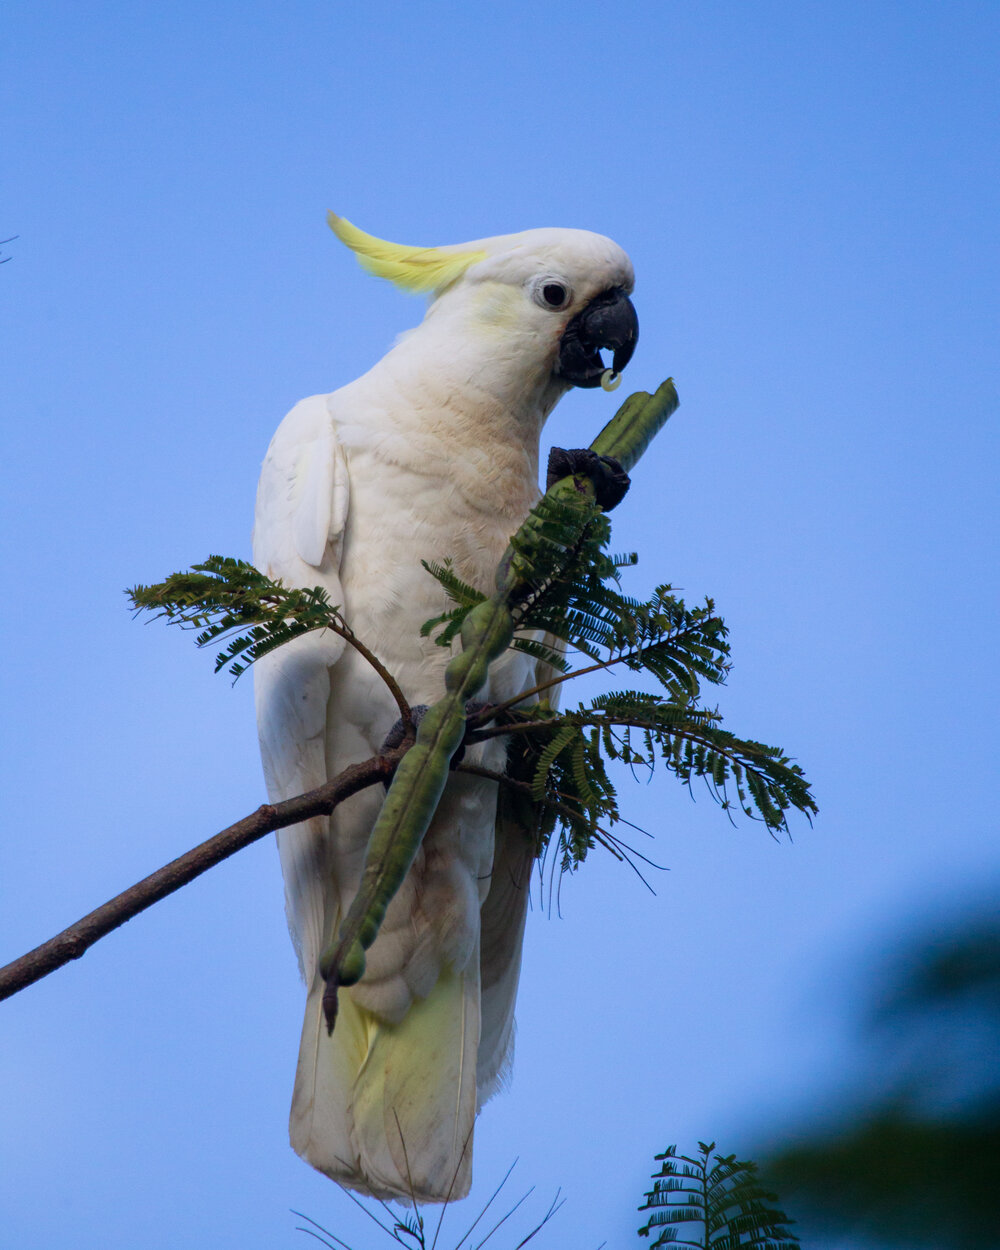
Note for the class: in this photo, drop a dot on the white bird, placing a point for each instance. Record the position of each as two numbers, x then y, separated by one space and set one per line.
431 454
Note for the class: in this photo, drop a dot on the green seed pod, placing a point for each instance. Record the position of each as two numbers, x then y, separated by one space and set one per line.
352 967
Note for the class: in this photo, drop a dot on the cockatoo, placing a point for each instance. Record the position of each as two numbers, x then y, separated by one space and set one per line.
430 455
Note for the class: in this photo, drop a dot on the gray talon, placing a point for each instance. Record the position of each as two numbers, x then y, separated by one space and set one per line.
611 482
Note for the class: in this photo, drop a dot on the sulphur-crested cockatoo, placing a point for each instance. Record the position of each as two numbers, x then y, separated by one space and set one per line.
432 454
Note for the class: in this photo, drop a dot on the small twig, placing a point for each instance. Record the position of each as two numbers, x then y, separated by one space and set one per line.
369 1212
513 727
469 1231
495 709
336 624
71 943
333 1237
632 653
554 1208
409 1180
506 1217
687 732
405 711
451 1187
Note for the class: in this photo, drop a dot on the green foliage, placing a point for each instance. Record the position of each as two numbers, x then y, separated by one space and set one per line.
572 602
716 1203
560 587
560 554
224 596
575 603
571 750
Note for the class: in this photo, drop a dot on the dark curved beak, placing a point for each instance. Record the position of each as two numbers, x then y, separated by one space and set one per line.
608 321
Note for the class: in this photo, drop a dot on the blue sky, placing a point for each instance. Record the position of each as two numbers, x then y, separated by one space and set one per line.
808 194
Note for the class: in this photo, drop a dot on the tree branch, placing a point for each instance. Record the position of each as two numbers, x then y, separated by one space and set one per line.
494 710
79 937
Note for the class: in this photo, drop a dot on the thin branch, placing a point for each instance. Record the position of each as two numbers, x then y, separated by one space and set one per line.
505 1218
495 709
687 732
469 1230
405 712
71 943
333 1237
336 624
554 1208
75 940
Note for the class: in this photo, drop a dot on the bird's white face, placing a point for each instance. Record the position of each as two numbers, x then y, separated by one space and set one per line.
550 301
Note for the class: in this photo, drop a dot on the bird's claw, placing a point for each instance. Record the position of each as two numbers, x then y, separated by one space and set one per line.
397 734
610 480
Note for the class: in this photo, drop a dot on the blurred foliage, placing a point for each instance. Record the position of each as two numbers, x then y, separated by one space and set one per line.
920 1164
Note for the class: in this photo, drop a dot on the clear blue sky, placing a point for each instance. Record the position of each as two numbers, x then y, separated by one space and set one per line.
808 193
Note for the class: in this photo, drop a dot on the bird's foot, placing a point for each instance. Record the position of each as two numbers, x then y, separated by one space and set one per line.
396 736
610 480
475 710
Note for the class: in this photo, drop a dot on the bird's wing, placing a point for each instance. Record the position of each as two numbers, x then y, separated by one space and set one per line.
301 514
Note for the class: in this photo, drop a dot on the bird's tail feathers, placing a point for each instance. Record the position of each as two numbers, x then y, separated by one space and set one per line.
389 1109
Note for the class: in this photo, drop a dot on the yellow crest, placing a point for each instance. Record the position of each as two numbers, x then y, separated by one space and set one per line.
412 268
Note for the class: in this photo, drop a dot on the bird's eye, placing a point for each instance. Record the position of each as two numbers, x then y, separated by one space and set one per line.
550 292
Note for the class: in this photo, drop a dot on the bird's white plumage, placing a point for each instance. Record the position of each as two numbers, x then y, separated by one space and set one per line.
432 454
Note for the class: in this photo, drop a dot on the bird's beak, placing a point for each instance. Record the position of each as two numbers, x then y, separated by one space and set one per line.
608 321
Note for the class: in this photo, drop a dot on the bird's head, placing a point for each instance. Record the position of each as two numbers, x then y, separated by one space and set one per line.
548 300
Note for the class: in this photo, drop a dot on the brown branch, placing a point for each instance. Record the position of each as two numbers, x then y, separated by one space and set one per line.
496 709
516 727
79 937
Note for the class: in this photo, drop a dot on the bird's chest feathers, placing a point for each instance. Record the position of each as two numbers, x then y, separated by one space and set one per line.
400 517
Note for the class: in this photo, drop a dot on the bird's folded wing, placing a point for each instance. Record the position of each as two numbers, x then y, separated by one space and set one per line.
301 515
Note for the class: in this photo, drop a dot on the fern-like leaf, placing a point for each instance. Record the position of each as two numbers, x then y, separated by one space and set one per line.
223 597
718 1204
